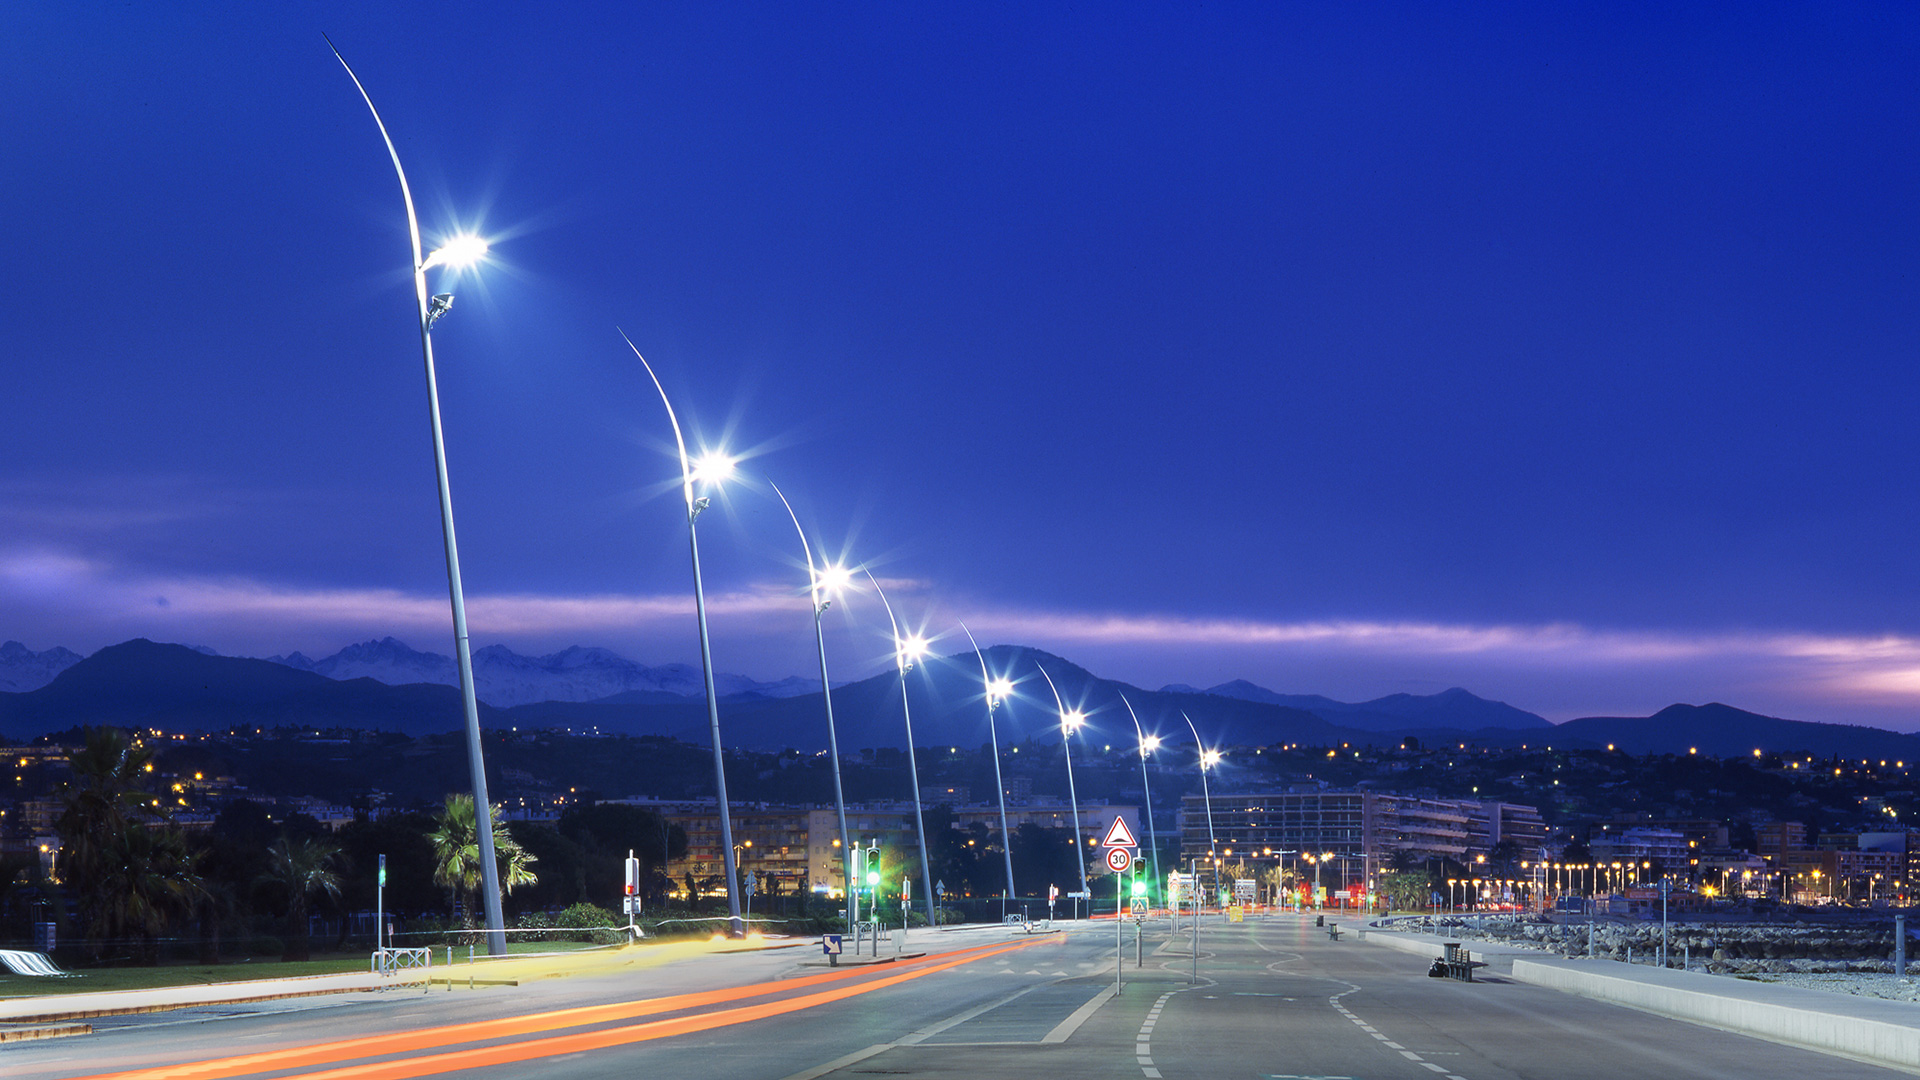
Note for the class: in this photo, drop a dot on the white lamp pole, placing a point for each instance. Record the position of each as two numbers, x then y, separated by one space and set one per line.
712 467
460 252
1069 722
905 652
817 589
1148 744
997 691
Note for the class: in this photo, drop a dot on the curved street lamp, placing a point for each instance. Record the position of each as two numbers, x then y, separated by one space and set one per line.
1208 759
1148 744
460 252
997 691
1069 723
710 469
905 652
817 588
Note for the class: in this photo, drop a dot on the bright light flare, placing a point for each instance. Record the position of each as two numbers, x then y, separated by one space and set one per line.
999 689
459 253
1149 744
1209 758
1072 721
914 648
835 579
712 467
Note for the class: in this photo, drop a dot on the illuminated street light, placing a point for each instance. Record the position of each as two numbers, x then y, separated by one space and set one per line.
906 652
997 691
822 583
712 472
458 253
1069 723
1148 744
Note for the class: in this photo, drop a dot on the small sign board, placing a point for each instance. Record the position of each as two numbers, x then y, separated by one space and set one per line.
1119 860
1139 907
1118 835
1236 913
830 944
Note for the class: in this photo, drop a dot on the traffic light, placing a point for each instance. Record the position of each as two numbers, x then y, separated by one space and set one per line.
1139 886
872 857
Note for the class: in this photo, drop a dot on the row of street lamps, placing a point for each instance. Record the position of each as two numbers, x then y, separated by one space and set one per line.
823 580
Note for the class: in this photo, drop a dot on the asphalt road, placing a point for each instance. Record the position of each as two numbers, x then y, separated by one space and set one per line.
1275 1000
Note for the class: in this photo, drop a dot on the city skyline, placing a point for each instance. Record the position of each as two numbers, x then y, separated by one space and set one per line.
1554 355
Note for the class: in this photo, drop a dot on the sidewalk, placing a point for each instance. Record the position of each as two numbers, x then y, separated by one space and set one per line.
1866 1029
58 1007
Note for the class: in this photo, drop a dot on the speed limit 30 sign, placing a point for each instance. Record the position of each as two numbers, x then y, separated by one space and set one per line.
1119 860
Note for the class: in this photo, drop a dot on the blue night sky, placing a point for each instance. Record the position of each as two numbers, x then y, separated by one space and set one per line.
1561 352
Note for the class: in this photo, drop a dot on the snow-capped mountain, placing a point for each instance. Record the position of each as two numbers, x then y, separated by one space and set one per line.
505 678
22 669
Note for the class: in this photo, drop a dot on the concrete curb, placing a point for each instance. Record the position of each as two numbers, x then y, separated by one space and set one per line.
1866 1029
8 1033
83 1006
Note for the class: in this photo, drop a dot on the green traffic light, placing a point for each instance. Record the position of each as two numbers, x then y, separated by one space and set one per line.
1139 887
873 877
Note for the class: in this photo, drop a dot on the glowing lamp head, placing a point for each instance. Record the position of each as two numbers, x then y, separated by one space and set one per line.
712 467
999 690
913 649
1209 758
458 253
1149 744
834 578
1072 721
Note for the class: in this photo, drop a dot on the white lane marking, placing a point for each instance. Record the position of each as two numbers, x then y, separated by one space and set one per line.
1341 1008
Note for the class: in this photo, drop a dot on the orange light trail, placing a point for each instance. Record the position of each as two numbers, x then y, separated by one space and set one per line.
321 1054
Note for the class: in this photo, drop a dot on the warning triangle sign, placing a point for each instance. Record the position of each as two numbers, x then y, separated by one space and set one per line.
1118 835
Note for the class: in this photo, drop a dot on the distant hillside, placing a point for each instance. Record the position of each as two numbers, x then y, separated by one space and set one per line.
1454 709
1724 731
174 688
22 669
503 677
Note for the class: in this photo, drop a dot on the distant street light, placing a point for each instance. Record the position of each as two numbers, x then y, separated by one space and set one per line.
456 254
709 469
1148 744
1069 723
996 691
907 652
820 582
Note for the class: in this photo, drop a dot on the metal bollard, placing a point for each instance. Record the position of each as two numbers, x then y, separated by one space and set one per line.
1900 946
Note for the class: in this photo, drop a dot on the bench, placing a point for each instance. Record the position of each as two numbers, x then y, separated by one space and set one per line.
1459 962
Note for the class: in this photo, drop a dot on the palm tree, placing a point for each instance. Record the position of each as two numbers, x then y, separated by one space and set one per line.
129 877
301 868
456 852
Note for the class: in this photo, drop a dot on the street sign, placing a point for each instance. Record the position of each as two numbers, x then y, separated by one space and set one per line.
1139 905
1119 860
830 944
1118 835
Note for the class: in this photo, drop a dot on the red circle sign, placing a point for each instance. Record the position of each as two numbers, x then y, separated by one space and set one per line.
1119 860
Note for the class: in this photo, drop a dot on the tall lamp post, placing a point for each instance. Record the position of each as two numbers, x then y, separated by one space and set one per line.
997 691
819 583
460 252
710 469
1208 759
1069 723
1148 744
905 652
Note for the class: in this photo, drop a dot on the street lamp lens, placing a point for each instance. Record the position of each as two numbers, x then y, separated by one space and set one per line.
459 253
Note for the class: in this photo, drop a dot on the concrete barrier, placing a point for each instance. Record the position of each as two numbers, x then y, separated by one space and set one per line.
1868 1029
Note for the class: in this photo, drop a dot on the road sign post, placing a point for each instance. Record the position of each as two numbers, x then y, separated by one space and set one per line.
1119 843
